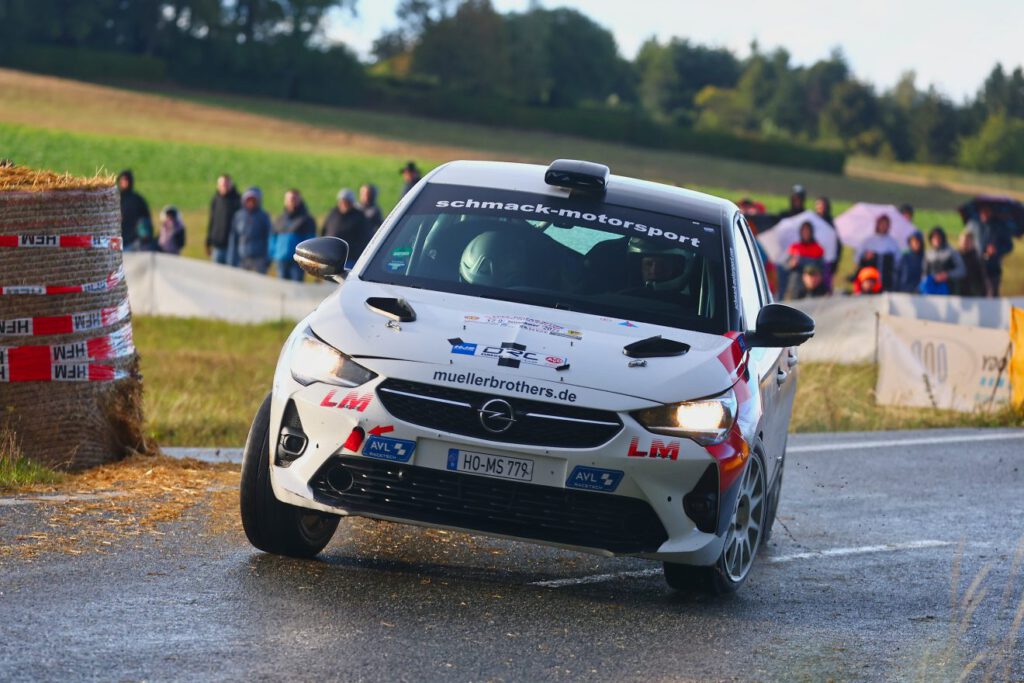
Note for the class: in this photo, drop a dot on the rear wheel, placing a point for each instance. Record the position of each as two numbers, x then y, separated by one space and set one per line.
742 540
273 526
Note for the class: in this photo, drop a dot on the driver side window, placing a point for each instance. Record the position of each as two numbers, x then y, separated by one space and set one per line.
746 279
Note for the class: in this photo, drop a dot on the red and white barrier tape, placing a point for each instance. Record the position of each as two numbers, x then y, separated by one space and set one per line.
66 362
65 372
112 281
65 324
61 241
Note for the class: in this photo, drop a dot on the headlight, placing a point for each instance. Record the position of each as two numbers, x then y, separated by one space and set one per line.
314 361
707 421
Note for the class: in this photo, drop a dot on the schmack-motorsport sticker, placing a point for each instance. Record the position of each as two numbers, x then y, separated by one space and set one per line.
524 323
509 354
575 210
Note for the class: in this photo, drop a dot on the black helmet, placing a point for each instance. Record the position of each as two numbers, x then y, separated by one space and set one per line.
495 259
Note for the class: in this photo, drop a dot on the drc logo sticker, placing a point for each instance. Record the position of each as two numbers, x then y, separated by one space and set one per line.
386 448
594 479
509 354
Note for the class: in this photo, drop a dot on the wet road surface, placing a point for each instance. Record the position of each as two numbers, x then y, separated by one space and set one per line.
868 576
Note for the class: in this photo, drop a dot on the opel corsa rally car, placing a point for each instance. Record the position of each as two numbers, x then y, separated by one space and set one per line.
556 355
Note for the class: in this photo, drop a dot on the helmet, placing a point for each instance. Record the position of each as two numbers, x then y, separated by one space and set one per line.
677 257
495 259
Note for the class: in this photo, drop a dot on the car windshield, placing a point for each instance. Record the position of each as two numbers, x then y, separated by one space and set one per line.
574 253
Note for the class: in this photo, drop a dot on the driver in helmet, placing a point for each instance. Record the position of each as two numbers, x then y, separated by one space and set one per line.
662 269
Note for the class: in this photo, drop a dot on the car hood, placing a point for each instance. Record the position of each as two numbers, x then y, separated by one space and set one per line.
514 340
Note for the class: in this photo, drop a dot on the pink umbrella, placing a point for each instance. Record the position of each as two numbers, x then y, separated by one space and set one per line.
786 232
857 224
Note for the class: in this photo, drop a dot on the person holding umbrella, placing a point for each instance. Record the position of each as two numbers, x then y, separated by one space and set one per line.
994 242
823 207
880 251
973 283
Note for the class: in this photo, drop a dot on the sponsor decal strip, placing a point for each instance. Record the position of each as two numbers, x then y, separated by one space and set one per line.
60 242
65 324
66 362
113 280
516 386
524 323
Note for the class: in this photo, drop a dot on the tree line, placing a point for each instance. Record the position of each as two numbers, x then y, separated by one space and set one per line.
463 55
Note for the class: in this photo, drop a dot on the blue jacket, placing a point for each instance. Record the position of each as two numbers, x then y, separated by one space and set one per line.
250 232
909 272
289 230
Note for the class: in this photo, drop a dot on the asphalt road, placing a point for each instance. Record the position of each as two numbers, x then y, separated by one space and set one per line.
857 585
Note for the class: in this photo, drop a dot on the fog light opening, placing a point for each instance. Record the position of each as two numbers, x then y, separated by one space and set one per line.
701 504
339 479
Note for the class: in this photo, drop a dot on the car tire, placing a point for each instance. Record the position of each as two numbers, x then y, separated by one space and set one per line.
270 525
742 540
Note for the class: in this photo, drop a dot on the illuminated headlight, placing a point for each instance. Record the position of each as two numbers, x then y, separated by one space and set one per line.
707 421
314 361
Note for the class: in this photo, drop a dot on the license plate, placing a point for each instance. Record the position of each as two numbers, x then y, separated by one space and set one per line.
488 465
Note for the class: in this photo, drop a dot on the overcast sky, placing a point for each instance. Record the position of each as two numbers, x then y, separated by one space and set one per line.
950 43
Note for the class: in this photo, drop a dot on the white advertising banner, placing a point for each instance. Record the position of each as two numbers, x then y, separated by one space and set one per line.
939 365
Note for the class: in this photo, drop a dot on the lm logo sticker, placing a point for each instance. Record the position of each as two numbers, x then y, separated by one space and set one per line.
353 400
657 449
594 478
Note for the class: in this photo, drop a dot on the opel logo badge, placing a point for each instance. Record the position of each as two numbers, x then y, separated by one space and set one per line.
496 416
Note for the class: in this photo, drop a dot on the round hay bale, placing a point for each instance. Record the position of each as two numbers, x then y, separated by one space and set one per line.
69 382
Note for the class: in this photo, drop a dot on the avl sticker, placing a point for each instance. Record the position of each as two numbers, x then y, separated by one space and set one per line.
386 448
594 479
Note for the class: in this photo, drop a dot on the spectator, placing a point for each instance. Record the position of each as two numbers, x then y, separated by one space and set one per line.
347 222
248 241
172 231
907 211
812 283
806 252
410 176
942 264
368 205
973 282
867 281
880 251
136 221
291 227
225 203
797 202
910 268
749 207
994 242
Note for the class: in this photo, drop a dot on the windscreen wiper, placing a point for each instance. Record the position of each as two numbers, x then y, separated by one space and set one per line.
655 347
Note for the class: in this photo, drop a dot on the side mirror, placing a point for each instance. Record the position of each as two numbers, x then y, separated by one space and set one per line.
779 325
322 257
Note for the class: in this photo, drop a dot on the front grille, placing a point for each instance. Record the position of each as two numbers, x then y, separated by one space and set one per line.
536 423
544 513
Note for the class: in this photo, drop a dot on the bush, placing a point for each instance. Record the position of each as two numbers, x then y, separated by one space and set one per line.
82 63
627 126
998 146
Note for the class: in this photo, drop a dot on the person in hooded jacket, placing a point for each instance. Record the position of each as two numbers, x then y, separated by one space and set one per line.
942 264
973 281
910 268
347 222
172 231
797 202
291 227
368 205
136 220
249 239
226 201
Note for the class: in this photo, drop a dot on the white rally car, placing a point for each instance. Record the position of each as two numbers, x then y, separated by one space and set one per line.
554 354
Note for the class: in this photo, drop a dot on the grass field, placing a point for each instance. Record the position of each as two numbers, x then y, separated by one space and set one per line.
204 381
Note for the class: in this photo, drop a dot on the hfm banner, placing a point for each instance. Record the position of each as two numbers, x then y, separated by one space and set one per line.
939 365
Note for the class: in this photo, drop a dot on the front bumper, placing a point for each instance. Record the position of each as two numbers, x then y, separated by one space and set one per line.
639 512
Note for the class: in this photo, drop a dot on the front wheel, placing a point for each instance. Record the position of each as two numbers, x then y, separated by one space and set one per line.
270 525
742 539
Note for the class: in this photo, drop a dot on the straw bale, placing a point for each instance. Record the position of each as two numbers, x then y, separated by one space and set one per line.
66 424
